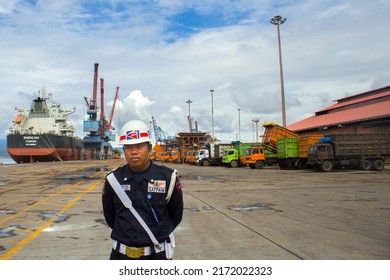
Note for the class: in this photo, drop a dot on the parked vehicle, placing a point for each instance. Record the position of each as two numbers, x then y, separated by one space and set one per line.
157 151
175 156
265 153
164 156
292 152
211 154
272 133
350 151
190 157
231 156
257 157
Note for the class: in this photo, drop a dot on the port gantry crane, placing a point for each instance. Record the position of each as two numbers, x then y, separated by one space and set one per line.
96 143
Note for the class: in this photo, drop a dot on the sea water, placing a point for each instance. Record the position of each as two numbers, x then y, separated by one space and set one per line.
7 160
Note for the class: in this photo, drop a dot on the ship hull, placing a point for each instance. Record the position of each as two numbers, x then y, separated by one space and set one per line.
43 147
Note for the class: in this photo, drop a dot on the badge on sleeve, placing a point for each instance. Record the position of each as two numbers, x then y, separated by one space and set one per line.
157 186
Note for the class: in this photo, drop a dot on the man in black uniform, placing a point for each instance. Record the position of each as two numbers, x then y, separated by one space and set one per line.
157 200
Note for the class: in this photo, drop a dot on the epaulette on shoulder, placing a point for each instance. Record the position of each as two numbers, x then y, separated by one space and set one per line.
112 171
166 168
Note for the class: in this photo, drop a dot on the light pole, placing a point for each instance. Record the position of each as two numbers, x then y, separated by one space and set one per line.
278 20
253 131
212 114
256 121
239 125
189 114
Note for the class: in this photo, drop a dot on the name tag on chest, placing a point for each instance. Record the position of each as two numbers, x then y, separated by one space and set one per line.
156 187
126 187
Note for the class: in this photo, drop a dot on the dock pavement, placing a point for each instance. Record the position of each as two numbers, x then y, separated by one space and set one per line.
53 211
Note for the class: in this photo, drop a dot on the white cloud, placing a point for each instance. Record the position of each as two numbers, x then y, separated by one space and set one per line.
329 48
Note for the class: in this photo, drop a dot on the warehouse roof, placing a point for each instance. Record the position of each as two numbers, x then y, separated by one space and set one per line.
374 104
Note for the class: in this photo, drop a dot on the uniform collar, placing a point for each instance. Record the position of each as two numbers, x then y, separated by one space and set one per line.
131 174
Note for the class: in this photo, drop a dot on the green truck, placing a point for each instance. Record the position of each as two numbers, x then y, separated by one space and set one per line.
293 152
231 156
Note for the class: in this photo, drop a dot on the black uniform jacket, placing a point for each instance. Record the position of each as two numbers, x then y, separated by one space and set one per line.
147 196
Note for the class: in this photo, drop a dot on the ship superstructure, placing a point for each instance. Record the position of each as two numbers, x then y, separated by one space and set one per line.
43 133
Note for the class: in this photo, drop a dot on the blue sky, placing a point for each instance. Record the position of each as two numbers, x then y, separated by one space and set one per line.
162 53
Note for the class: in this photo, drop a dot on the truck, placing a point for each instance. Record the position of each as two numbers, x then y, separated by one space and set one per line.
211 154
164 156
257 157
231 156
269 154
272 133
292 152
350 151
175 156
156 152
190 157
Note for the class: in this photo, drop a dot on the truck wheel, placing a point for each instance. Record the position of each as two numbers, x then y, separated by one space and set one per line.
206 163
316 167
326 165
366 164
302 164
290 164
378 165
252 166
259 165
234 163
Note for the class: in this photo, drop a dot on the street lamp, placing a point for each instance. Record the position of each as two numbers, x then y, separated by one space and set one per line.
212 114
253 131
239 125
256 121
278 20
189 114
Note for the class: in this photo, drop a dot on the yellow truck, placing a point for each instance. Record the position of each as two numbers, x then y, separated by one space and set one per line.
190 157
156 152
164 157
273 132
175 156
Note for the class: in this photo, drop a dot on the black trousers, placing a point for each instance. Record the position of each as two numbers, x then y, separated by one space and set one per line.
118 256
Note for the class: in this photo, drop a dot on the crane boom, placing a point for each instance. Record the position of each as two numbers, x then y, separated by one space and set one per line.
102 107
112 110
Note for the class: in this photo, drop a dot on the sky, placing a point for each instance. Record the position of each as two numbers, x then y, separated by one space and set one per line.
163 53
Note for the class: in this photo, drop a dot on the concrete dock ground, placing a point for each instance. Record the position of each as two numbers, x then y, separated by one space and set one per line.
52 211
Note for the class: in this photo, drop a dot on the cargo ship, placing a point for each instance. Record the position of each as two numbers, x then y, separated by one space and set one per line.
43 133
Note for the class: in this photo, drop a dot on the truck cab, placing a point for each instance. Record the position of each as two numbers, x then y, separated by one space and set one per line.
257 157
320 156
202 157
164 156
190 157
175 156
230 157
254 157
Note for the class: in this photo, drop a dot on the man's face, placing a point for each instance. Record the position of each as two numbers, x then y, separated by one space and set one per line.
137 156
